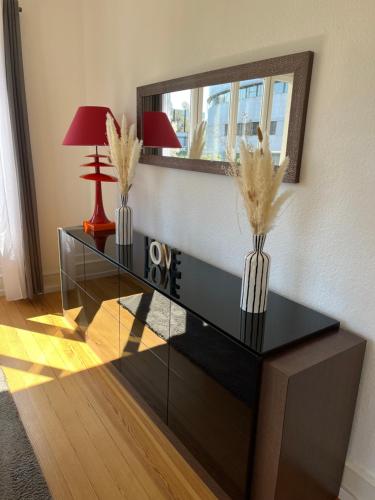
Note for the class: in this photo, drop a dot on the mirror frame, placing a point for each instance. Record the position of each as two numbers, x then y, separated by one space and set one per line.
299 64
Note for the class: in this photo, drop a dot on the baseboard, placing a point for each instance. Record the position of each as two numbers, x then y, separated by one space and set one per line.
358 483
51 282
344 495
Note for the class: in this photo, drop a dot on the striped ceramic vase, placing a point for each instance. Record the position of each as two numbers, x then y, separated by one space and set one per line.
255 278
124 223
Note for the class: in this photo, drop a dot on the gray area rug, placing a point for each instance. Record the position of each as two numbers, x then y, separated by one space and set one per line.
20 475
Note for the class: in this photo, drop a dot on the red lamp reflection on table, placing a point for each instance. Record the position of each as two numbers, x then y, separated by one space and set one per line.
88 128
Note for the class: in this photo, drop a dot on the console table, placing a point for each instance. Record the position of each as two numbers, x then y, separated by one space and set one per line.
265 403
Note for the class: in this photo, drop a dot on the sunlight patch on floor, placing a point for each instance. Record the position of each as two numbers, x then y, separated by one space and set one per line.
22 333
32 364
18 380
23 356
52 320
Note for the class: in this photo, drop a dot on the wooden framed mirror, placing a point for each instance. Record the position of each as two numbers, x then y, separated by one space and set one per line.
233 101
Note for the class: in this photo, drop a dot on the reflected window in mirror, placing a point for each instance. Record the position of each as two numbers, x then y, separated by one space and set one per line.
232 112
263 103
249 97
279 112
215 111
178 107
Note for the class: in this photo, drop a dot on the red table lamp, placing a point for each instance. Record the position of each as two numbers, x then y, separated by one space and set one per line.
88 128
158 131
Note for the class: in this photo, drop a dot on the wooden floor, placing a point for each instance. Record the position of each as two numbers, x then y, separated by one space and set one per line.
91 437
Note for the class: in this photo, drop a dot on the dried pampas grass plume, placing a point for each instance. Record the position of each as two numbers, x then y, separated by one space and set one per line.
259 181
198 141
124 151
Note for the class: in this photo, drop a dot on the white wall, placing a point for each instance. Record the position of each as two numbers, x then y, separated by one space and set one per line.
323 246
54 74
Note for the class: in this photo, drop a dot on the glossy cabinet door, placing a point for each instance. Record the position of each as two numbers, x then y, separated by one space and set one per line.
71 257
144 333
102 281
102 332
213 388
102 305
74 304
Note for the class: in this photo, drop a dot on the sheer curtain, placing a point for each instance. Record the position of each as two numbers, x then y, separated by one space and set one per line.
12 252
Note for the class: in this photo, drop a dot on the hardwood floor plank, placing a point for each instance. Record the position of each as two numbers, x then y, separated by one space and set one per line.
91 437
61 396
88 418
44 413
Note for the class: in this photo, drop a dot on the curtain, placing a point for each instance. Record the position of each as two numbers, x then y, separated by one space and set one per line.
11 241
21 259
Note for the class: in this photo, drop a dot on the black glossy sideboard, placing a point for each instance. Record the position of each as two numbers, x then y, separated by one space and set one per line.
230 385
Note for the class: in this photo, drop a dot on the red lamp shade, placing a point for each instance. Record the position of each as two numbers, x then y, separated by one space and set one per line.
158 131
88 127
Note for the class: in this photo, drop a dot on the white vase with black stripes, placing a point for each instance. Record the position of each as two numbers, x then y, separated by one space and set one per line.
124 222
254 290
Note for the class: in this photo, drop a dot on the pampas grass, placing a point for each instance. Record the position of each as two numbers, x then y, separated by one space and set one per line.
124 151
198 141
259 181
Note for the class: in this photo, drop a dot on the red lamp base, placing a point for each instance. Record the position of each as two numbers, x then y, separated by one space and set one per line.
94 227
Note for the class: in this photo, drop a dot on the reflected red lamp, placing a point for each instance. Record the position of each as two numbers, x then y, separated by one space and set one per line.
88 128
158 131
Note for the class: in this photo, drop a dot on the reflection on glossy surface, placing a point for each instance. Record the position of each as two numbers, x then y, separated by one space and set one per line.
147 373
216 109
178 106
144 351
73 301
101 279
144 316
103 329
251 112
252 329
163 277
213 388
212 381
214 296
233 111
71 257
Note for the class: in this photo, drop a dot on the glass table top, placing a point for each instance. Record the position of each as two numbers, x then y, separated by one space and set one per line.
212 294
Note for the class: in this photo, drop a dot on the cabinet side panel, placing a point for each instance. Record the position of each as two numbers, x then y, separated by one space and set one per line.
272 402
318 419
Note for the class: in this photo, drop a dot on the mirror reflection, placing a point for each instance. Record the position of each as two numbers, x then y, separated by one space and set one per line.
229 113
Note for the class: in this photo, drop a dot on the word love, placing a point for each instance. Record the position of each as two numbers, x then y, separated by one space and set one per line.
160 254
